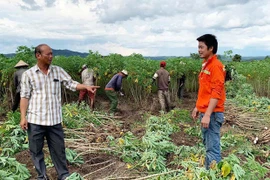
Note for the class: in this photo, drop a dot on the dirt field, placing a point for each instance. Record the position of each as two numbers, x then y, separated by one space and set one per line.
104 166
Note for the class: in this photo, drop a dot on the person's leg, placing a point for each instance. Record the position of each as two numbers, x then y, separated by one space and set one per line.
179 91
56 144
112 95
81 96
167 100
182 91
161 99
16 101
36 135
211 138
91 99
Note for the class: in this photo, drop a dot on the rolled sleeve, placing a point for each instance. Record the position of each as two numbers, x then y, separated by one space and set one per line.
70 84
25 86
155 76
67 81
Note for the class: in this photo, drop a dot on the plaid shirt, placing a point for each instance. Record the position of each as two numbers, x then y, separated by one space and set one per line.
44 94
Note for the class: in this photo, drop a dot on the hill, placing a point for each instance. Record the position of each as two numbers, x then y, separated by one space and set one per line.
67 53
59 52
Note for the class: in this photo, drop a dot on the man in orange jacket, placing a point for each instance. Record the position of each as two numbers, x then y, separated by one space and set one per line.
211 97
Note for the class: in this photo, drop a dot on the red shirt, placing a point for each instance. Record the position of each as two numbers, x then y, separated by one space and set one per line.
211 81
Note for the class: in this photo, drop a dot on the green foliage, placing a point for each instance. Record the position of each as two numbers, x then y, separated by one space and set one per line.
229 140
178 116
228 54
75 176
193 131
237 58
150 152
242 94
13 138
257 74
73 158
48 162
77 117
195 56
187 153
24 53
11 169
137 86
129 147
254 169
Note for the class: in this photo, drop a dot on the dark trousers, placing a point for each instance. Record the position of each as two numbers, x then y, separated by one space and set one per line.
16 101
55 139
180 92
112 95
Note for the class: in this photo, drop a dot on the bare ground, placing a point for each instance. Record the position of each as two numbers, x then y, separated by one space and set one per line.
105 166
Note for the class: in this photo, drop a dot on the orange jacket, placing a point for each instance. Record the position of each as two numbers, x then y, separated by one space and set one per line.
211 81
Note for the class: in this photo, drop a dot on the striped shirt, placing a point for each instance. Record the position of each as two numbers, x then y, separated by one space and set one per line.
44 94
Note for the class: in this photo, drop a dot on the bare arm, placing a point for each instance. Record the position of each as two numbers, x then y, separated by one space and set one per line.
23 108
89 88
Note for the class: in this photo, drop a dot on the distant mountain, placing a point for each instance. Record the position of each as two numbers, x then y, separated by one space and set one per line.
244 58
59 52
159 57
10 55
67 53
251 58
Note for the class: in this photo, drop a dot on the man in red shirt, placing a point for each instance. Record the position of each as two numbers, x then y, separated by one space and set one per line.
211 97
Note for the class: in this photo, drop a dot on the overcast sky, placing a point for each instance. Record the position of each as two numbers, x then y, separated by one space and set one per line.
148 27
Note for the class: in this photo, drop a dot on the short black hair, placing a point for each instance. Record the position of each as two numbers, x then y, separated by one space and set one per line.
38 49
210 40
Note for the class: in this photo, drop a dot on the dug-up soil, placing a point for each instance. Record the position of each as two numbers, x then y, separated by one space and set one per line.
105 166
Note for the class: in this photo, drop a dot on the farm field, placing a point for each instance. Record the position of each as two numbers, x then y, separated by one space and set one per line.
122 148
143 143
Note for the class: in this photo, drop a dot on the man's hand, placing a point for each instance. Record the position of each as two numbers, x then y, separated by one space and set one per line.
92 88
205 121
24 124
195 113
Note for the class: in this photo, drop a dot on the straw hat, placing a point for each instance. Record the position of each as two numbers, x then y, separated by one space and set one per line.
21 63
125 72
84 66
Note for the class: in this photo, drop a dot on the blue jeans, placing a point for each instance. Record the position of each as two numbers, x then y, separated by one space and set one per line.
211 138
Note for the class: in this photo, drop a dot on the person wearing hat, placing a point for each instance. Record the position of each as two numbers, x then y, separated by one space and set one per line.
88 78
21 66
114 86
163 80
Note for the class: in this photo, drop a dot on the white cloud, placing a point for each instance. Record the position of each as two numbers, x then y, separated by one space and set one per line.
164 27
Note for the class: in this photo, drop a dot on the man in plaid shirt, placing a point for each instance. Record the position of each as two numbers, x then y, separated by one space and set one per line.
41 112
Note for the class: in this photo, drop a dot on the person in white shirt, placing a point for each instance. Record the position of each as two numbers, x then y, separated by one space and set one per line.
88 78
